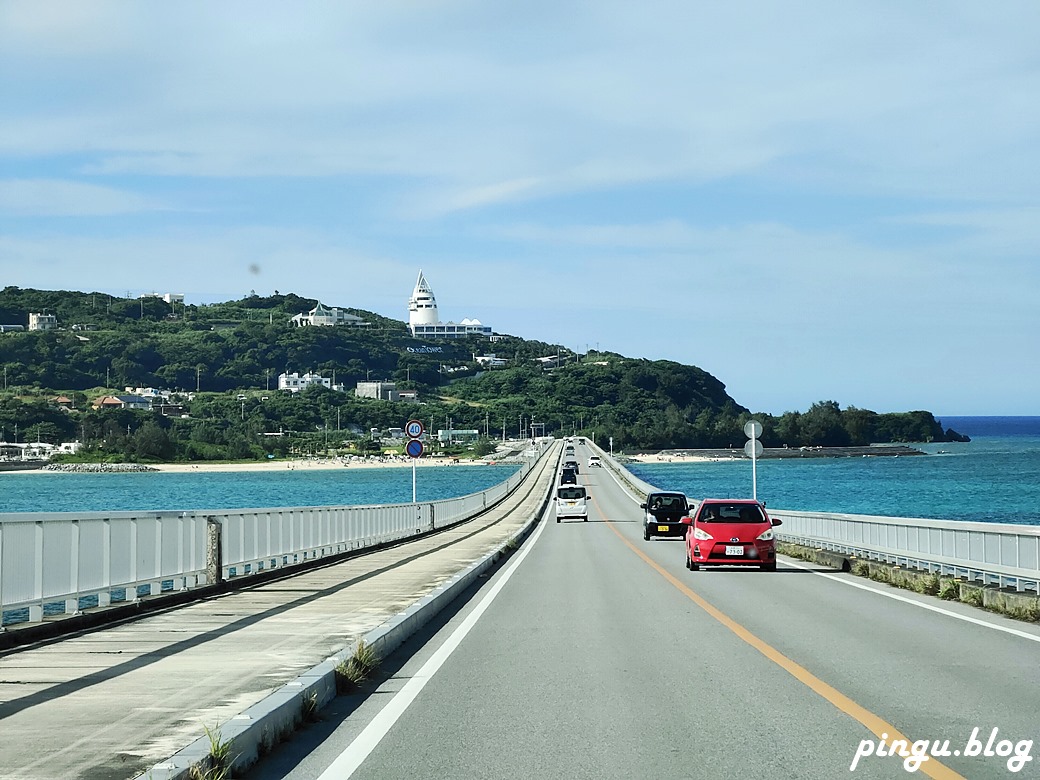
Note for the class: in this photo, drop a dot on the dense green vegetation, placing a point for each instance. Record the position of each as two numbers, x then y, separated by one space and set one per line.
223 360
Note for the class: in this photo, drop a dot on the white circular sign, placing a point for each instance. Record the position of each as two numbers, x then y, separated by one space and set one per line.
752 429
753 449
414 429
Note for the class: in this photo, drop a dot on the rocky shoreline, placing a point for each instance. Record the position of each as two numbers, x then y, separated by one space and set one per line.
97 468
775 453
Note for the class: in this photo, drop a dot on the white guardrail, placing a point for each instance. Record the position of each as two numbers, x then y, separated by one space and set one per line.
67 561
1001 554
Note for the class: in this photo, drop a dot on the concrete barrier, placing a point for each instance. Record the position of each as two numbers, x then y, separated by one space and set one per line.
255 731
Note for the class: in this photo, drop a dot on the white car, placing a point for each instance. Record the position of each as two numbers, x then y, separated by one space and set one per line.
594 461
571 501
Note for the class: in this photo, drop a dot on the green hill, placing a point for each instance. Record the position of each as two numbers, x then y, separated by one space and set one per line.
222 362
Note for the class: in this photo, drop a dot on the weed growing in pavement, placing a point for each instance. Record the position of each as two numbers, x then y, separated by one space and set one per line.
309 712
356 669
949 589
220 758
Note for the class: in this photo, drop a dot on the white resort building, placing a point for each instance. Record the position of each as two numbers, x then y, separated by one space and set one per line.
323 315
384 391
42 321
423 319
294 383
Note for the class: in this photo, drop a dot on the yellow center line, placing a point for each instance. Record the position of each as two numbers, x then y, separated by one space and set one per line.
932 768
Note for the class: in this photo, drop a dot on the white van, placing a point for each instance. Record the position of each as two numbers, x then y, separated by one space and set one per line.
571 501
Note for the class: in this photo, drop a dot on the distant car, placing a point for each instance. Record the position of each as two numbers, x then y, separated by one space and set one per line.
571 463
568 476
594 461
571 501
663 513
730 532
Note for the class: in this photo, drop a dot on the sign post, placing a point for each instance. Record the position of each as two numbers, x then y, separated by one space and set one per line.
414 448
753 448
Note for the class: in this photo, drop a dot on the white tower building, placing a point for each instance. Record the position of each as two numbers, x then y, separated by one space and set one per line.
425 324
422 306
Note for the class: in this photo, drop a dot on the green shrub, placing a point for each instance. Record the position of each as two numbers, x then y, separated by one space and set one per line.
971 594
927 584
949 589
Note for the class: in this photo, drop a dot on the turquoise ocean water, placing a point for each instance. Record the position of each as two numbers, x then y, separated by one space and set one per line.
993 478
59 492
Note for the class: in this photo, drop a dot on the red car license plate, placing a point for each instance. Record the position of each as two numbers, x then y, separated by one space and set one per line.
737 549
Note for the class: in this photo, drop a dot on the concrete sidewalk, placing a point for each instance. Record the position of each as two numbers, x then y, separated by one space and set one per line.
114 702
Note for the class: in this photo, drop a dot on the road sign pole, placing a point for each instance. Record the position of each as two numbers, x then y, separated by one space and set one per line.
414 448
754 475
753 429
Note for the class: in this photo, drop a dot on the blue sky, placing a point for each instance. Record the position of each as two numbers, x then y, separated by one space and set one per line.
812 201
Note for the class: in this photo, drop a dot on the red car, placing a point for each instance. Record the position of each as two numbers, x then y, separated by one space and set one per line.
730 532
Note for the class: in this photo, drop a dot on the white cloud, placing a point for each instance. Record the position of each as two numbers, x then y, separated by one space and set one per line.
886 152
49 197
897 95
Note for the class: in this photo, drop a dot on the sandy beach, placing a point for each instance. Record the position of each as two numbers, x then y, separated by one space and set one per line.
671 457
314 464
302 464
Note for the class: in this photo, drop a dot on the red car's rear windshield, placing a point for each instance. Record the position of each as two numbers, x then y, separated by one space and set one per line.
731 513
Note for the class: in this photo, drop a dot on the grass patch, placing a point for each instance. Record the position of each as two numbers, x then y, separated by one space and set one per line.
356 669
1030 612
949 589
309 712
971 595
928 584
220 757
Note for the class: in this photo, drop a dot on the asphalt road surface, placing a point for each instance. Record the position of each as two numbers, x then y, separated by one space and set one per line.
594 654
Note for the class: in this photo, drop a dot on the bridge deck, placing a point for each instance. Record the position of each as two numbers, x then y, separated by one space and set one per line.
113 702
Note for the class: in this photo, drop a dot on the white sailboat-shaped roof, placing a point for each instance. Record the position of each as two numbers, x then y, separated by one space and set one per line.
422 306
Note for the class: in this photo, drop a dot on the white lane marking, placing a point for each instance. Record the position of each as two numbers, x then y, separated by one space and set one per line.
347 762
940 610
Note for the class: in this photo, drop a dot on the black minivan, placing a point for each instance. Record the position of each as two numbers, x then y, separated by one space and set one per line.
663 514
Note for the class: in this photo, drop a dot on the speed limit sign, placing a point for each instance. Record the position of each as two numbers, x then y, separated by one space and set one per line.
414 429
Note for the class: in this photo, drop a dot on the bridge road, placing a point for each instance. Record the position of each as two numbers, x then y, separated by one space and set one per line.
601 656
112 703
